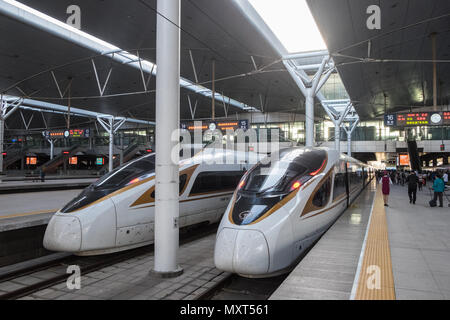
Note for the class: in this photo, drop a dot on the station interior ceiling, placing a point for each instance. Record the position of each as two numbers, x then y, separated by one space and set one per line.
404 39
211 30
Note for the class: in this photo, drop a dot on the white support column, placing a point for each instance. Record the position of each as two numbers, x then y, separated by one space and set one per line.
349 144
52 149
337 137
309 118
349 132
337 120
167 123
111 127
310 88
4 114
111 145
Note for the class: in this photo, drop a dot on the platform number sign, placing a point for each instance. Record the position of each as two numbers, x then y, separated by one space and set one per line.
390 120
243 124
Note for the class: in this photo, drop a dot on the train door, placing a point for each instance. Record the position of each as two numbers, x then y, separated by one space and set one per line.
339 186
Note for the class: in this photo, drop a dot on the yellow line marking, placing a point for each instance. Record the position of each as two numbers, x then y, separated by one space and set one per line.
376 281
27 214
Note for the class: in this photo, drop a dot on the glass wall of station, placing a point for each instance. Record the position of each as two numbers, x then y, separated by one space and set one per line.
376 131
365 131
334 88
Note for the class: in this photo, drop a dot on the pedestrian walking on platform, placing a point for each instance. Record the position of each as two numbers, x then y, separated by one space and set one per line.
412 181
42 175
420 181
438 187
385 187
403 178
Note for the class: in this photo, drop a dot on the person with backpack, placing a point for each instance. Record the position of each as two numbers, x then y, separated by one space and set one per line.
385 187
412 181
438 187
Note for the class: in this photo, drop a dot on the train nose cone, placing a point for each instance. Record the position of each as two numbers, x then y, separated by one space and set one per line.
242 251
63 233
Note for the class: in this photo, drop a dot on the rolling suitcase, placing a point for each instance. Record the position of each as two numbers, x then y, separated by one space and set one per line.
432 202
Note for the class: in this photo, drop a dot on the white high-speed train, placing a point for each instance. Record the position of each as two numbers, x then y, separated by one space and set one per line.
281 207
117 211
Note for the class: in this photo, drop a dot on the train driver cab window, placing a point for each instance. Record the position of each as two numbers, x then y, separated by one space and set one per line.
322 195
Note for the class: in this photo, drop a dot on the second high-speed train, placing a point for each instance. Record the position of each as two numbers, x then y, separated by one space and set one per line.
117 211
282 205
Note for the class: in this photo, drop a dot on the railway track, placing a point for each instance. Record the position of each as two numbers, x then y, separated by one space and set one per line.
235 287
31 279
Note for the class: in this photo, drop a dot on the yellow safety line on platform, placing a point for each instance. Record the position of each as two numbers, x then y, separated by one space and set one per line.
376 281
27 214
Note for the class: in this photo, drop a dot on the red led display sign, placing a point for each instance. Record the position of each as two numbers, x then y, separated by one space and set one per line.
422 119
413 119
446 117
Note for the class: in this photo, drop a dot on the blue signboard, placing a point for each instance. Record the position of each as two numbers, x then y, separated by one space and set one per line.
390 120
243 124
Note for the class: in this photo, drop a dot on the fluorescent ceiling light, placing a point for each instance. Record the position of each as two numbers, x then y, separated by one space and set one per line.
292 22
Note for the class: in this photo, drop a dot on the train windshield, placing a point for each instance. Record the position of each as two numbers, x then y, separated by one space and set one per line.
123 175
266 184
126 174
278 175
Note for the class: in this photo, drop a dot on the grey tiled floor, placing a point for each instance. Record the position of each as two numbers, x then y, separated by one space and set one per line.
419 237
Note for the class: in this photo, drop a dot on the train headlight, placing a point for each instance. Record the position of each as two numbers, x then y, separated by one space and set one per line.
137 179
296 185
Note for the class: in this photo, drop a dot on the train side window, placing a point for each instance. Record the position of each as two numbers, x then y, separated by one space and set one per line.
323 194
207 182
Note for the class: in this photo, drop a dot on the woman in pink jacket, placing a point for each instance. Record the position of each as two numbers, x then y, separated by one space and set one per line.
385 187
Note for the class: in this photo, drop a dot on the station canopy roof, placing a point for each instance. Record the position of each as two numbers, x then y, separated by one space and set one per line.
405 76
31 59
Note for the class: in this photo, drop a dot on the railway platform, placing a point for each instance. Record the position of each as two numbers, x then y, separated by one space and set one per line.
37 185
22 210
374 252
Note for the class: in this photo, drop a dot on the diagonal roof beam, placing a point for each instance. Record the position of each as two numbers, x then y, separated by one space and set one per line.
39 20
35 105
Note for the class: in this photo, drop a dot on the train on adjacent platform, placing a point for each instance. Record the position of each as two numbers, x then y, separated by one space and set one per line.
117 211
